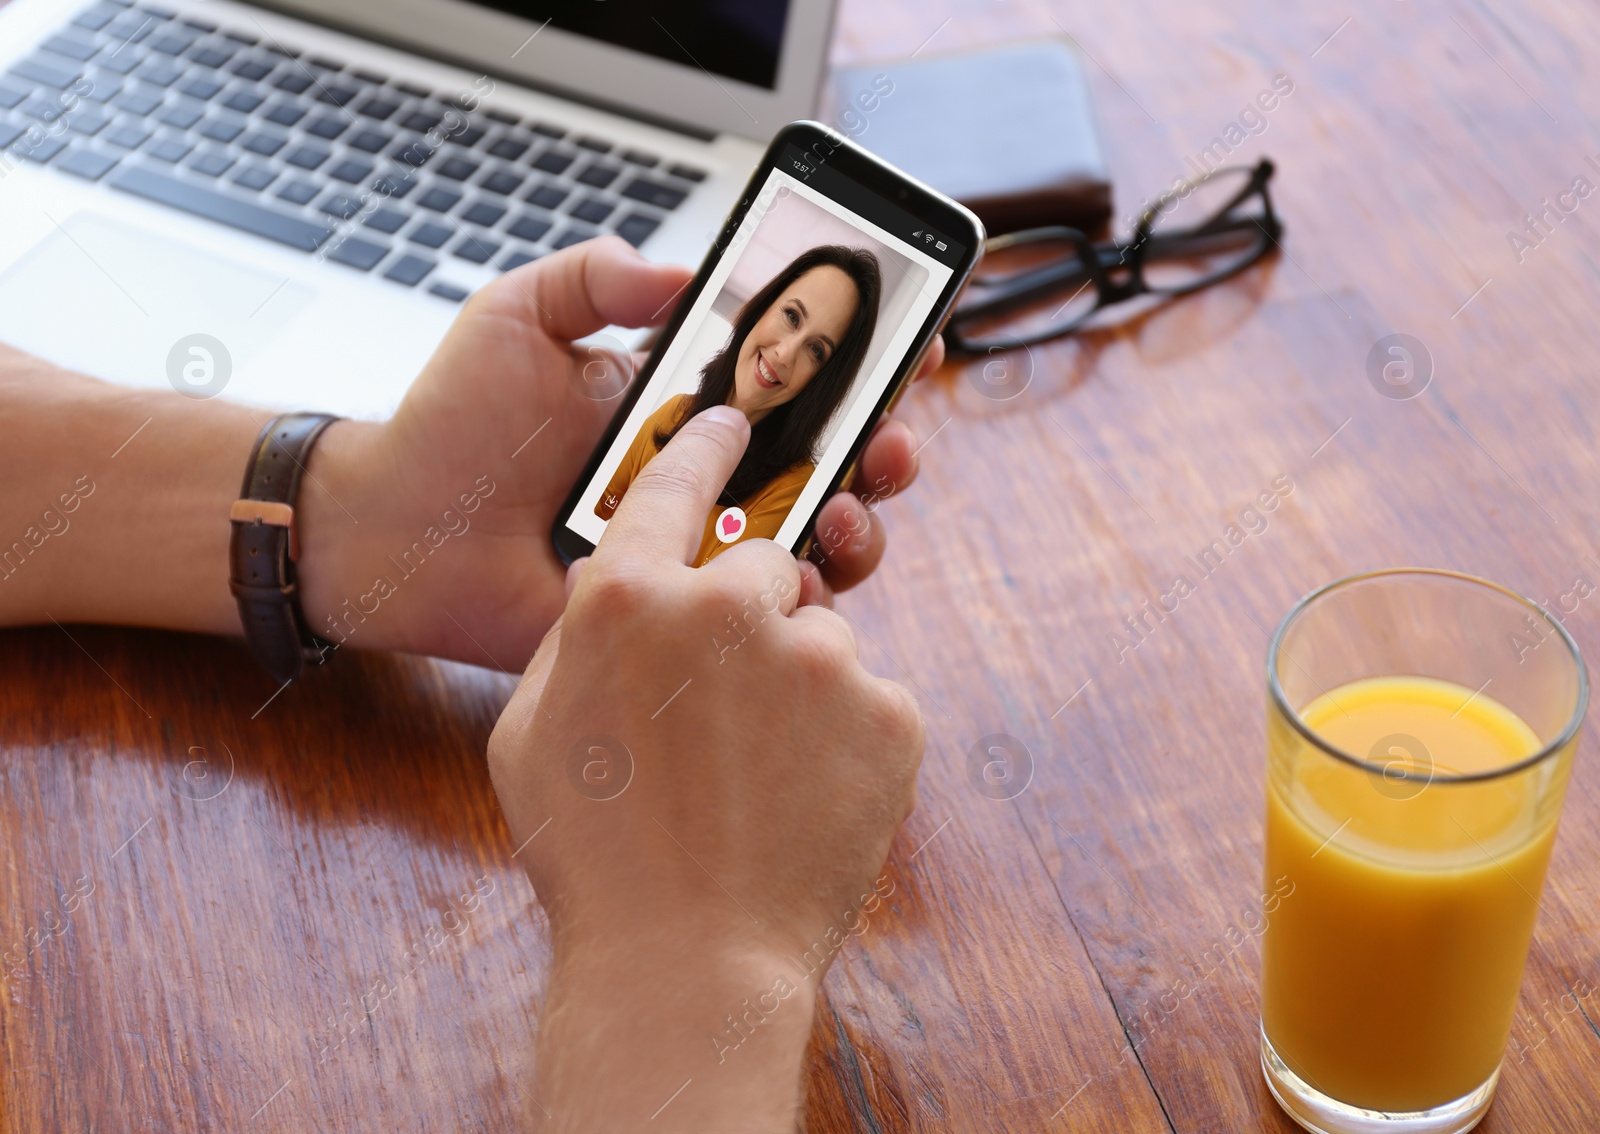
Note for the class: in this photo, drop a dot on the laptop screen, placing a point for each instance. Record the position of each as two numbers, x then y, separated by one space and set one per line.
734 39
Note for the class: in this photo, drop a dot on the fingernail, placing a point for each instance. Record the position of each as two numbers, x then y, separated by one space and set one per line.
727 415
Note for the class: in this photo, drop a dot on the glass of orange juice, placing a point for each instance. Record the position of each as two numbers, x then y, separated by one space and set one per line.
1420 732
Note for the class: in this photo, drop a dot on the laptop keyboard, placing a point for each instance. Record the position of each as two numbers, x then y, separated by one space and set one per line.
374 173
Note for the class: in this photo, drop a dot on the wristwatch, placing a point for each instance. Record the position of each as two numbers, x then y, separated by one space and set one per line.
265 546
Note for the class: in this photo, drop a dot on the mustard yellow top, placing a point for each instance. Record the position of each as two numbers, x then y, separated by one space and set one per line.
764 512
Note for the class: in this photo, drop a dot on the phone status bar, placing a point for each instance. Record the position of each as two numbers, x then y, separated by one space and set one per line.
816 172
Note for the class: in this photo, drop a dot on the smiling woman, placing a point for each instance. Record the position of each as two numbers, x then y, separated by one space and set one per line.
794 351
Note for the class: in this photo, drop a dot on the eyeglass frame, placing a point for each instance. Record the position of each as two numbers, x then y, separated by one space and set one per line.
1104 258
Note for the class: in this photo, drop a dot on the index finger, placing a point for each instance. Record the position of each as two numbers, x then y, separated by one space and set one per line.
662 516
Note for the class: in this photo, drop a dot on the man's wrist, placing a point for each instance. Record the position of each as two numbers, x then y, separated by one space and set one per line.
344 501
728 1027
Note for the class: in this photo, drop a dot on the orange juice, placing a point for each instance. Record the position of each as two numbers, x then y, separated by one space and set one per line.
1390 970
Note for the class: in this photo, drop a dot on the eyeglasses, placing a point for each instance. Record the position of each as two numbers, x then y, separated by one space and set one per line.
1017 301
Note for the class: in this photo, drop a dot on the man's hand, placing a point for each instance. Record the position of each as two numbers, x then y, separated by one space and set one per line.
489 441
703 783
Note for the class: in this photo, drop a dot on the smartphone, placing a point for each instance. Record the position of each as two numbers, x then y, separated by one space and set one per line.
810 313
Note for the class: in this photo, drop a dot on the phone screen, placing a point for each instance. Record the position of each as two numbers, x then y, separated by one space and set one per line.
810 314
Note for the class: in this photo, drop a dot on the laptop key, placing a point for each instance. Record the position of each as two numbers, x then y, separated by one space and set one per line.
170 149
71 47
509 148
264 143
485 213
409 270
181 116
336 95
299 192
201 88
212 163
431 235
476 249
212 57
351 171
439 199
636 228
255 177
140 103
157 12
252 69
131 28
293 82
639 157
160 73
448 291
378 108
97 17
546 196
171 44
466 136
44 109
528 227
687 172
128 136
457 169
413 90
86 164
599 176
120 64
11 95
241 37
307 157
325 63
414 153
502 117
9 134
421 121
222 129
544 129
284 113
518 258
386 220
40 69
574 235
552 162
243 101
654 193
212 205
502 182
394 186
368 141
596 145
41 152
88 122
340 205
376 77
328 127
592 209
354 252
105 89
199 25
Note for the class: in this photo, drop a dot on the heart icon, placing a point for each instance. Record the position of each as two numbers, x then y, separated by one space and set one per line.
730 525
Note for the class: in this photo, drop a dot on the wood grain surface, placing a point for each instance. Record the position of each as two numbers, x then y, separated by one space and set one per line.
226 879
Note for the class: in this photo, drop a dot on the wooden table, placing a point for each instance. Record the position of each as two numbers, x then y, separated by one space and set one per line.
255 870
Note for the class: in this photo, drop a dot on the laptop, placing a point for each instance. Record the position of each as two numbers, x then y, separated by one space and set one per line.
288 205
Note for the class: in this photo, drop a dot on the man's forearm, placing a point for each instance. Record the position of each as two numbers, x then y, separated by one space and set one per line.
114 501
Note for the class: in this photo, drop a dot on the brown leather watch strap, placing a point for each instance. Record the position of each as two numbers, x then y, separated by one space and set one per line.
265 545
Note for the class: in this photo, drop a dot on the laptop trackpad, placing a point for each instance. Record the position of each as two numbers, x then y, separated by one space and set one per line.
113 300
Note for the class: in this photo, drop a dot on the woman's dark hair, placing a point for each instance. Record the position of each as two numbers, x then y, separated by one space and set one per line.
788 435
